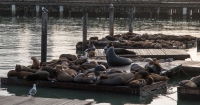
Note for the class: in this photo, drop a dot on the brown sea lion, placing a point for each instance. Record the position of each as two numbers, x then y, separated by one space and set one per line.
36 63
80 61
196 80
71 72
81 78
20 74
141 75
50 70
187 83
40 75
69 56
63 76
157 77
115 79
24 68
137 83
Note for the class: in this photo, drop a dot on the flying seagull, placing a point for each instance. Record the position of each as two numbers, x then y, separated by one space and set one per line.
33 90
44 9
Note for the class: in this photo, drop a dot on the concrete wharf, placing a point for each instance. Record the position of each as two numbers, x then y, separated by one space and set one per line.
19 100
99 8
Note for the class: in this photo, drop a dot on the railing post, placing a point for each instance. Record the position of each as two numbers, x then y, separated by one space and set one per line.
85 16
44 37
111 16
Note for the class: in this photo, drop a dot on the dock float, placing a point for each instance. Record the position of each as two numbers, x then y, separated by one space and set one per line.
185 93
90 87
19 100
191 68
177 54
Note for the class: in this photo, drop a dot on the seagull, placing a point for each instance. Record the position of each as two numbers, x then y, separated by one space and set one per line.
44 9
33 90
85 56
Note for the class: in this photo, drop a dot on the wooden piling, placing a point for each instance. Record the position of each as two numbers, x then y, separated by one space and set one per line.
44 37
37 10
13 10
198 44
61 8
85 16
158 12
131 20
111 17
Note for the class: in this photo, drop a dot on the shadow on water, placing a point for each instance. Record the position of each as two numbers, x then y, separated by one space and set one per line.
98 97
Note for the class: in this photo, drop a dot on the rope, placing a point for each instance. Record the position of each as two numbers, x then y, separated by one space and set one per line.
185 73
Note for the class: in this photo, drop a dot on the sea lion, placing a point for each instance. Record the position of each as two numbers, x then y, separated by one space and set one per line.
36 63
20 74
115 70
157 77
68 56
71 72
153 67
114 60
80 78
141 75
40 75
24 68
50 70
115 78
136 68
196 80
137 83
187 83
63 76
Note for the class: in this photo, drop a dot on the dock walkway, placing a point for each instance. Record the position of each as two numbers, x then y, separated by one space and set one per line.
176 54
19 100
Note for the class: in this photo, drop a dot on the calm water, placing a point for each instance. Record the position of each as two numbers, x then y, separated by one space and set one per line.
20 38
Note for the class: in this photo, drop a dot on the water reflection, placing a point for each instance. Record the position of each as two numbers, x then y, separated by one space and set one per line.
99 97
20 38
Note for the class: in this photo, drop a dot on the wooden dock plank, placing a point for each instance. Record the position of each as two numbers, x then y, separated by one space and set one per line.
177 54
19 100
186 93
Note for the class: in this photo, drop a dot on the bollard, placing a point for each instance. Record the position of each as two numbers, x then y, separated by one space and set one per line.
44 37
85 16
111 16
131 20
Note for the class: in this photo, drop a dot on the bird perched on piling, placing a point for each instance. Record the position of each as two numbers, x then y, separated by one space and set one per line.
33 90
44 9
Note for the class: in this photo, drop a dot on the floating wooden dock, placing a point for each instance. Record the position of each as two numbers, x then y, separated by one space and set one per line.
191 68
19 100
188 93
176 54
91 87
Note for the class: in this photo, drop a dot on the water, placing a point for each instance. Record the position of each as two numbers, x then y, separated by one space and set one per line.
20 38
